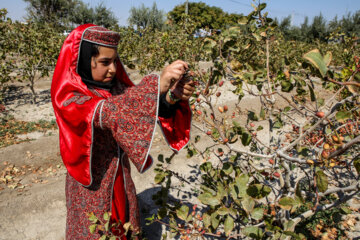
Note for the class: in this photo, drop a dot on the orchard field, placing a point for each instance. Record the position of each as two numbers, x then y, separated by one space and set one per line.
274 152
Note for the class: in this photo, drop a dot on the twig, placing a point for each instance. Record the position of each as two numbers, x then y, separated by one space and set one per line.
345 147
249 153
343 190
280 153
339 104
310 213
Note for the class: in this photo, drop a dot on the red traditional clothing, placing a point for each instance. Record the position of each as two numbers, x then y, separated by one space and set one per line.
100 131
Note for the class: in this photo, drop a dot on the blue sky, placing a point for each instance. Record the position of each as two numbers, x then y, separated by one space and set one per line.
276 8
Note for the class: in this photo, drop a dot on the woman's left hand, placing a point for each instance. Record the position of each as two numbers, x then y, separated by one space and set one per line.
182 90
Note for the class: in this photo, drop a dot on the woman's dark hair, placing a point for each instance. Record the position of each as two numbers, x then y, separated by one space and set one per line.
94 50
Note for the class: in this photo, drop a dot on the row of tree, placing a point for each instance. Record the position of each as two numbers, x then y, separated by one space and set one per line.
348 25
66 14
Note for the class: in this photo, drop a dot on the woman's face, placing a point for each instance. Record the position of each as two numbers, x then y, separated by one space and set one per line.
103 66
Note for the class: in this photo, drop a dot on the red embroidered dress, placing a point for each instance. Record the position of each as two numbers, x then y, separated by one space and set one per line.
100 131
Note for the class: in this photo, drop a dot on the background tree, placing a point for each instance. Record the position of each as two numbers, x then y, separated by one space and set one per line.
204 15
67 13
7 47
56 12
100 15
144 17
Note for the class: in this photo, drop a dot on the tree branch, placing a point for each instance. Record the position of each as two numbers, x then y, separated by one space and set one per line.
345 147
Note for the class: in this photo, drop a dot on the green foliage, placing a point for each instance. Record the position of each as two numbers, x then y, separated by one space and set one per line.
64 14
257 192
319 29
56 12
38 48
105 227
7 49
147 18
99 15
203 15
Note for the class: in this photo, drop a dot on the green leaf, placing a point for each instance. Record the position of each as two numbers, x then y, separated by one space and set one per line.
234 31
228 225
206 167
103 237
92 228
286 86
207 189
248 204
259 128
257 213
206 220
246 138
106 216
241 183
262 6
321 102
161 158
292 234
93 218
215 134
209 199
312 94
262 113
252 116
278 124
215 221
227 168
346 210
315 58
221 191
243 20
258 191
106 226
197 139
160 177
342 116
253 232
183 212
287 203
222 211
327 58
209 45
321 181
287 109
357 165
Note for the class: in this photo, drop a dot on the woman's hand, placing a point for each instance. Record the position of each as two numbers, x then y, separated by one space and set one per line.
172 74
183 89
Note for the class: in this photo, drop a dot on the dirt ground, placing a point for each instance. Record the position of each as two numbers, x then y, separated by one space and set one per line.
34 208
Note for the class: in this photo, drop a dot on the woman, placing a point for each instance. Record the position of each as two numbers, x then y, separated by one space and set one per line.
105 120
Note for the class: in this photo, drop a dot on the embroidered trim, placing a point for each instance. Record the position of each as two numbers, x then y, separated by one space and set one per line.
101 36
122 166
91 145
100 114
152 137
77 98
113 183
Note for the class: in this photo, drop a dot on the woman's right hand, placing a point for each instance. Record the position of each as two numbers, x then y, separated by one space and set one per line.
171 74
